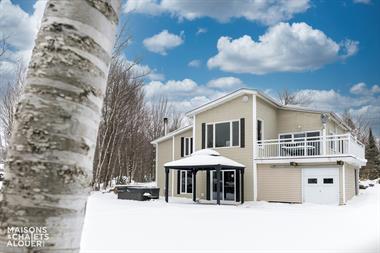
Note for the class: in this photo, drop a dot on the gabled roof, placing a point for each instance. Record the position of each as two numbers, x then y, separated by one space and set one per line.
246 91
171 134
265 97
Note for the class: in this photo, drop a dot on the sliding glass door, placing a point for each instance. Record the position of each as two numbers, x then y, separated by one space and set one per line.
227 185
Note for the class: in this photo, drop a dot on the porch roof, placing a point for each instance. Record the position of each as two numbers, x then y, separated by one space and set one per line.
204 159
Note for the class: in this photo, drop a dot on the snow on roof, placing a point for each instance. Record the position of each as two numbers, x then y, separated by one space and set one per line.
204 157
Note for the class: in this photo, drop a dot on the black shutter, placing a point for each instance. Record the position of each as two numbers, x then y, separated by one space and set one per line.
182 146
242 132
203 135
237 185
178 181
191 145
208 185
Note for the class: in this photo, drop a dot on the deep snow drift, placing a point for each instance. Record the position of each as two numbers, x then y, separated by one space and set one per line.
113 225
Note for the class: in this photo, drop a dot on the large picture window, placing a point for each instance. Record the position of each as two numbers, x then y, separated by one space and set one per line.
186 181
223 134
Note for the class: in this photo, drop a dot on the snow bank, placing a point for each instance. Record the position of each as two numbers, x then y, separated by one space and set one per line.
113 225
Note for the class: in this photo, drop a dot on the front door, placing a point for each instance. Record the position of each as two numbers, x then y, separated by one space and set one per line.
227 185
321 185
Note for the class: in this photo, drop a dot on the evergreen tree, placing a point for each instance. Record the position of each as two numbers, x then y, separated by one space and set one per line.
372 154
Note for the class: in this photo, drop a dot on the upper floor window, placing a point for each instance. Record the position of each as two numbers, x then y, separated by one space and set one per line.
223 134
186 146
259 130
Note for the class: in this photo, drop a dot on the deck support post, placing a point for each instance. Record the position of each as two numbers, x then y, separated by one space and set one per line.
194 171
166 184
242 186
218 180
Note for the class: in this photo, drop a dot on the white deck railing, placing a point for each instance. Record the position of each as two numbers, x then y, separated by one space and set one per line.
330 145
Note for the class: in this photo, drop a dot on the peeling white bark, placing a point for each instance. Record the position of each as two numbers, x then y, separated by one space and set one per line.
50 156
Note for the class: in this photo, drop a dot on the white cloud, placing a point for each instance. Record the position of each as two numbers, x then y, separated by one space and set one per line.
162 42
194 63
362 89
266 12
225 82
185 94
201 30
283 48
363 105
375 89
20 29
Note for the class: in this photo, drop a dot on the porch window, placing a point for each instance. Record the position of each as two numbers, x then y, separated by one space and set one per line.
296 144
186 181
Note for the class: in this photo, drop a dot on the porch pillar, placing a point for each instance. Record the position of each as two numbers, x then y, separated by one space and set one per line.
166 184
218 180
242 186
194 185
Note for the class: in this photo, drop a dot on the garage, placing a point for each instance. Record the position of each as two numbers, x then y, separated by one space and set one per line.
320 185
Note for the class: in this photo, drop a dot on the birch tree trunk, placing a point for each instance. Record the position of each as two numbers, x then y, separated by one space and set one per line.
49 162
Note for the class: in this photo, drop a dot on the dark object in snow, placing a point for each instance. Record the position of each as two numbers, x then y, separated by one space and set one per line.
371 185
1 176
140 193
362 186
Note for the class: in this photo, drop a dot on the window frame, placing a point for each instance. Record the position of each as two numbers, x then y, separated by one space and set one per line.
301 132
186 180
262 130
187 140
213 124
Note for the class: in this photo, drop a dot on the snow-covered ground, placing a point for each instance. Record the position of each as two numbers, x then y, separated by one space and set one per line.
113 225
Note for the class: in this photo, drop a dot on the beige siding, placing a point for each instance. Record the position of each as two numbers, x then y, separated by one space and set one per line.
201 176
333 127
280 184
350 182
267 113
293 121
232 110
164 155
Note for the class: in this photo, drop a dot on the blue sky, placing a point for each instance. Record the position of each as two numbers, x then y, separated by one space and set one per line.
326 50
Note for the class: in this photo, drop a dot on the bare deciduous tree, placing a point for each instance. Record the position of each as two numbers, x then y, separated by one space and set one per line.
124 152
291 98
358 123
3 45
9 101
50 155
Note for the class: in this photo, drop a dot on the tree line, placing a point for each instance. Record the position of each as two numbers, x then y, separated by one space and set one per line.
129 122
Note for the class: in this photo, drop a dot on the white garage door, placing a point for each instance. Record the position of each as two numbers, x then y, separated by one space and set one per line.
321 185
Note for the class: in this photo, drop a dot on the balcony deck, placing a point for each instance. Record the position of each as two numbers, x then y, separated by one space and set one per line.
311 147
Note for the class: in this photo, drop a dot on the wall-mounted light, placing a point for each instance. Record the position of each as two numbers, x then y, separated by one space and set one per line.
293 164
340 162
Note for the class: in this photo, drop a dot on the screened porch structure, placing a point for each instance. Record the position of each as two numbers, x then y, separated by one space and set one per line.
210 161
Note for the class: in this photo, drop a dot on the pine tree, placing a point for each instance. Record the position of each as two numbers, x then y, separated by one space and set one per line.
372 154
